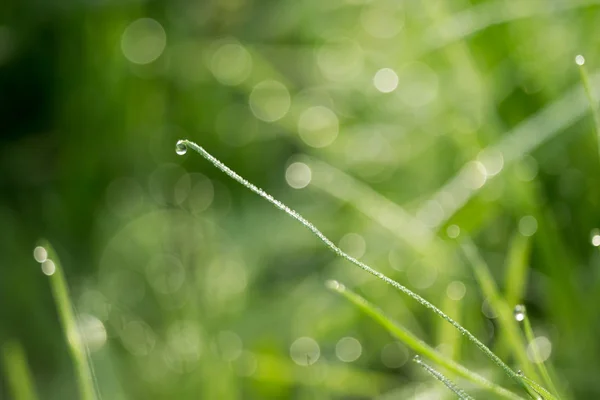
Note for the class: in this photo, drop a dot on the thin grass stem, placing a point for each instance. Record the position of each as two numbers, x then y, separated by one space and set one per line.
52 267
536 354
516 269
440 377
589 92
545 394
18 375
498 305
416 344
218 164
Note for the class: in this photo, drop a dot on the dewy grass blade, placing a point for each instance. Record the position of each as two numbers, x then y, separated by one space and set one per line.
440 377
483 348
589 91
416 344
17 371
546 395
51 266
536 354
504 311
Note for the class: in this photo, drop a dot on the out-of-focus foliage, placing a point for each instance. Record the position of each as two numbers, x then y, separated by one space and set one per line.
395 126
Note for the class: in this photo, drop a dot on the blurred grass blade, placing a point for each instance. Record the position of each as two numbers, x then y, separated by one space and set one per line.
589 91
18 375
295 215
516 269
501 309
416 344
450 337
60 292
375 206
536 354
440 377
481 16
521 140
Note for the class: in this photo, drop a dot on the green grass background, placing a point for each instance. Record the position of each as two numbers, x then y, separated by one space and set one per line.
181 265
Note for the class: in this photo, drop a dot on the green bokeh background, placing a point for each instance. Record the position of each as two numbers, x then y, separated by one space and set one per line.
201 286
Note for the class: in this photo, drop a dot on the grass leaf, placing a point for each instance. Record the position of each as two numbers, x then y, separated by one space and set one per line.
17 371
218 164
52 267
416 344
440 377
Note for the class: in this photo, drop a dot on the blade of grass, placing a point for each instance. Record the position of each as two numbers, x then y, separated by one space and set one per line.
416 344
446 334
17 371
295 215
516 268
585 79
539 363
546 395
380 209
514 144
477 18
505 313
440 377
52 267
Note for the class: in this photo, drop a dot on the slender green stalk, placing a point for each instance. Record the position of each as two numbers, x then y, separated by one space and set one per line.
483 348
536 354
585 79
499 306
516 269
546 395
17 371
51 267
416 344
440 377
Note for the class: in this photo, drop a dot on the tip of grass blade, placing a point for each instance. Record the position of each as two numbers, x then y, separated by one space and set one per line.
335 286
51 267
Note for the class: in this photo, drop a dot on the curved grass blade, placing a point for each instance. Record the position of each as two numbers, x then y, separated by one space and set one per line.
585 79
52 267
440 377
17 371
218 164
416 344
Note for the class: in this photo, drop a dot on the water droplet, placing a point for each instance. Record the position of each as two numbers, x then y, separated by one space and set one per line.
334 285
348 349
579 60
519 312
596 237
520 373
417 359
394 355
48 267
528 225
453 231
40 254
181 147
305 351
